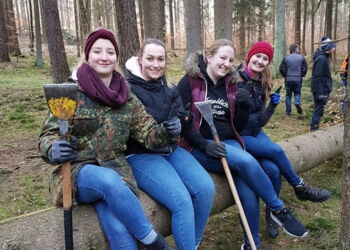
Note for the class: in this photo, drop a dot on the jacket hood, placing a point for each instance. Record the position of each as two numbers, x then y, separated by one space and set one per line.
194 63
319 53
133 66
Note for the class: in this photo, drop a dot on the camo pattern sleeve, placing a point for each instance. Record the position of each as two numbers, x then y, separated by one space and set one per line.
145 130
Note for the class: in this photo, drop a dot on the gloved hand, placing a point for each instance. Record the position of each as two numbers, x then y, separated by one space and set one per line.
173 126
243 98
186 116
275 98
216 150
63 151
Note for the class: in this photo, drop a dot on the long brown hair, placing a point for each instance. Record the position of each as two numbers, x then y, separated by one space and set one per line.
215 46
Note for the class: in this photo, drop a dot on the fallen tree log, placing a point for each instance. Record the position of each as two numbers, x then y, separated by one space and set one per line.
44 229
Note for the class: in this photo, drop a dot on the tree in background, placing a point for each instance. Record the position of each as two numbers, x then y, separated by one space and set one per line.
60 69
223 19
193 26
4 52
12 29
280 41
328 18
304 28
154 19
129 43
171 24
84 18
31 26
38 48
297 22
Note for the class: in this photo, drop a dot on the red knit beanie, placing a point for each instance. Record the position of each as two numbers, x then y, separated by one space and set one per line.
260 47
97 34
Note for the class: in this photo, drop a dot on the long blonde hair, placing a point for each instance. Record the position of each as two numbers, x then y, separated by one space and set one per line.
215 46
266 81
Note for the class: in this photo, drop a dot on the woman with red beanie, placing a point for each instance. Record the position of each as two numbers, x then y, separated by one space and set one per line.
256 79
210 78
107 115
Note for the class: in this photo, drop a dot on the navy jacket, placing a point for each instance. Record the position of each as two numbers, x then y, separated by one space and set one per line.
322 82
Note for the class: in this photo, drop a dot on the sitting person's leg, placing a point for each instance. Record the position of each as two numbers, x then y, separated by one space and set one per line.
261 146
96 183
198 183
156 176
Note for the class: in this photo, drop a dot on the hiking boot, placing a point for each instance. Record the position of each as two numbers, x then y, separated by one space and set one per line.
299 109
271 226
159 244
289 223
306 192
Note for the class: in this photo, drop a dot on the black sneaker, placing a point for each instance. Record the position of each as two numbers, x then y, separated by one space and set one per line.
289 223
306 192
159 244
246 247
271 226
299 109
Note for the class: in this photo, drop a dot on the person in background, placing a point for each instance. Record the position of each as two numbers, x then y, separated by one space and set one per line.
170 174
293 68
107 115
257 79
344 77
209 77
321 83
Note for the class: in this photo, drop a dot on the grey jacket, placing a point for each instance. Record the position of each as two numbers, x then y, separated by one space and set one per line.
293 67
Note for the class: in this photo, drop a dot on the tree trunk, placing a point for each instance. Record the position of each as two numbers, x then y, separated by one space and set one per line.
242 29
4 52
60 69
97 15
280 42
335 34
127 30
312 28
77 33
297 22
31 26
171 24
18 18
43 24
107 13
85 17
328 18
13 38
223 19
261 20
193 26
304 28
154 17
142 30
38 49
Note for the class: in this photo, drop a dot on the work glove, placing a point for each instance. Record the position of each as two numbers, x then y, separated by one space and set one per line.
215 150
276 97
173 126
186 116
243 98
63 151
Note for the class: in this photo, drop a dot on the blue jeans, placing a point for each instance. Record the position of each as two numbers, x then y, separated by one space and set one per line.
117 207
274 173
320 102
180 183
250 179
292 87
262 148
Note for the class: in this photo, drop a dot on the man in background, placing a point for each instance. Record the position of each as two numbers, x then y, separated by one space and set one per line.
293 68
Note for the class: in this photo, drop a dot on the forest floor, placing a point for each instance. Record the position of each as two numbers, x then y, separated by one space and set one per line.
24 176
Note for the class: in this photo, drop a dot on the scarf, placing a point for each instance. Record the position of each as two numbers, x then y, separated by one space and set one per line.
114 96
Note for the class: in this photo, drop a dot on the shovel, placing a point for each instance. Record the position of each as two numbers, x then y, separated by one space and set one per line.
61 99
206 111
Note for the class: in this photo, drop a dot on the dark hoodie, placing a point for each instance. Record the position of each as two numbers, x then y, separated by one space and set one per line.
322 82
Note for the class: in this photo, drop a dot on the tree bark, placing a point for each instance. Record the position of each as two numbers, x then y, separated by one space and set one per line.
127 30
193 26
38 48
242 29
85 17
43 24
60 69
97 15
31 26
171 24
142 30
46 226
304 28
312 27
154 17
77 33
13 35
297 22
280 42
328 18
223 19
4 52
261 20
335 24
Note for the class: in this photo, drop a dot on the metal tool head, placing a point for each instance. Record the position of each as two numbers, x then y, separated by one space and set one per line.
61 99
206 111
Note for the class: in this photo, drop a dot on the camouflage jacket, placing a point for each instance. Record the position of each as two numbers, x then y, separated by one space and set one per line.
102 133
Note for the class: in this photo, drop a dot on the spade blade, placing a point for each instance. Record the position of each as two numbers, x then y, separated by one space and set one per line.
206 111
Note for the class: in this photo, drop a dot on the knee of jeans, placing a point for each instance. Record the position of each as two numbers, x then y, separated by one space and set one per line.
207 187
112 182
276 150
180 202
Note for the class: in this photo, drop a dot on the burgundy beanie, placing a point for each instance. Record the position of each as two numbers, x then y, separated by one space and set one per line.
97 34
260 47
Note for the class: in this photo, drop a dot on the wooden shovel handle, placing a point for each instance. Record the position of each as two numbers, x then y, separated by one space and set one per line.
236 197
66 185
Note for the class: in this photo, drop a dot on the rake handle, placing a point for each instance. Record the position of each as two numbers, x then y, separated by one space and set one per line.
236 197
